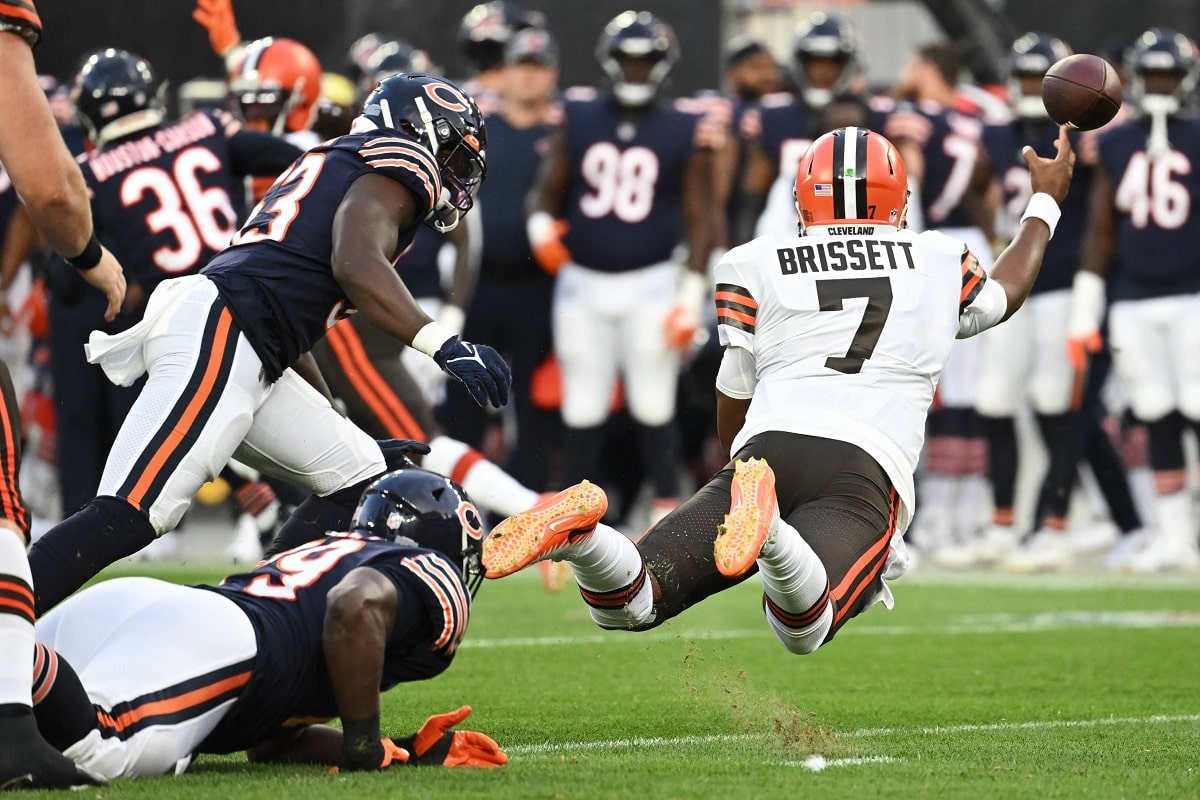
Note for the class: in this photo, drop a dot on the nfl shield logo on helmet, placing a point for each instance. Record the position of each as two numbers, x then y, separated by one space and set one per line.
393 520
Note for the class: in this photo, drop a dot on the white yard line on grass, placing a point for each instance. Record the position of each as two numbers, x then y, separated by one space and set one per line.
938 730
973 624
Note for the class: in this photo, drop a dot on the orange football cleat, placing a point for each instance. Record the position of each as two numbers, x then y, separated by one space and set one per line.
536 534
753 509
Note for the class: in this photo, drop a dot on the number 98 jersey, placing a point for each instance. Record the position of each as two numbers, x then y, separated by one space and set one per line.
285 599
624 199
850 332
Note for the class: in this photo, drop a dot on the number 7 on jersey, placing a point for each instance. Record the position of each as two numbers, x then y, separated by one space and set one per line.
878 291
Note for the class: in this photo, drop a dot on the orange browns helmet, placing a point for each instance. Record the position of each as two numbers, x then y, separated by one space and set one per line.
276 85
851 175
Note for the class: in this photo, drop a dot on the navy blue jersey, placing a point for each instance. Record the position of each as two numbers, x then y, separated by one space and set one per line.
784 127
1158 242
162 199
949 142
505 251
624 198
1003 144
276 277
285 600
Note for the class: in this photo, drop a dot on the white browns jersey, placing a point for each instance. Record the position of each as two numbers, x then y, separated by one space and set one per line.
850 327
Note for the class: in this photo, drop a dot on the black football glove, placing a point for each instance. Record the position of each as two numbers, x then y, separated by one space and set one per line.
478 367
397 453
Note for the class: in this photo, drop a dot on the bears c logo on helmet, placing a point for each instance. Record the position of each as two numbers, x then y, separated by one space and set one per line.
447 96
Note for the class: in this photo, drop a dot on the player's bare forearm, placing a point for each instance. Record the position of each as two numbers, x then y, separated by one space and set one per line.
32 150
365 231
549 190
698 210
360 613
731 416
1017 267
1099 236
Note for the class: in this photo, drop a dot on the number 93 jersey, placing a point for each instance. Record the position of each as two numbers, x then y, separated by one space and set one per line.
850 332
285 599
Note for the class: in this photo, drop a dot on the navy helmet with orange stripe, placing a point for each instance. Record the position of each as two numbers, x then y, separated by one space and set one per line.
444 119
851 175
423 509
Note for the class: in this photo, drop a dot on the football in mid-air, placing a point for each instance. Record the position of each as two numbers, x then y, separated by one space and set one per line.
1082 92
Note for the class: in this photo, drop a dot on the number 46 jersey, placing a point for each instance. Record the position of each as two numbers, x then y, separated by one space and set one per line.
850 332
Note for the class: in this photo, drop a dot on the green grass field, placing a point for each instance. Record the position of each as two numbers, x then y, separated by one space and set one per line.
979 687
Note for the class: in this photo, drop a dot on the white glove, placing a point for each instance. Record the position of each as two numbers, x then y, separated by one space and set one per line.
684 318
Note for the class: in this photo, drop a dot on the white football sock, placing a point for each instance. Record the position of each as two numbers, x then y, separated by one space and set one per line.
16 630
488 485
609 563
797 590
792 573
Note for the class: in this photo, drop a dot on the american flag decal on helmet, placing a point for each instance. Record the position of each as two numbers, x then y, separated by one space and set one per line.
823 189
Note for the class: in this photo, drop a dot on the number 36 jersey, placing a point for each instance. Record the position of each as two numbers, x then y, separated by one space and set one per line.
850 332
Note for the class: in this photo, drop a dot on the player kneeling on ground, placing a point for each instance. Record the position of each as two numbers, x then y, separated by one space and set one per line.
124 689
834 342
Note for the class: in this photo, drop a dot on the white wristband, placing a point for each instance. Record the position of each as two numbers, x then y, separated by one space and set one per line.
1087 304
1042 206
693 289
430 338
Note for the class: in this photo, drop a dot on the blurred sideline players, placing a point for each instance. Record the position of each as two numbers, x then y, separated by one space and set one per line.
519 132
825 52
938 134
1141 211
628 179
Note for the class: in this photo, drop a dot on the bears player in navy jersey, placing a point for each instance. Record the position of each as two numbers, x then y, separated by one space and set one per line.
625 182
219 347
825 51
166 197
162 191
309 635
1141 217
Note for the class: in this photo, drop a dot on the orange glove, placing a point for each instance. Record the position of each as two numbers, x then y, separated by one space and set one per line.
545 239
1079 348
217 18
1083 326
436 745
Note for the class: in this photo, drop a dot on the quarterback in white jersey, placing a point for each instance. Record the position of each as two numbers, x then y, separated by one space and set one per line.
834 342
